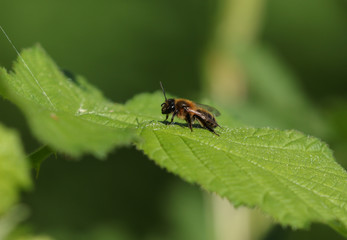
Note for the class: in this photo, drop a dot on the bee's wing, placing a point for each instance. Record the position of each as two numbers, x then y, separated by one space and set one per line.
209 108
204 116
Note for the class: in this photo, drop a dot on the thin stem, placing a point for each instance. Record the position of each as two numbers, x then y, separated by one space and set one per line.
238 23
237 28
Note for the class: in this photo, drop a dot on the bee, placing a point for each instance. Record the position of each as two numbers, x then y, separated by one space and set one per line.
190 111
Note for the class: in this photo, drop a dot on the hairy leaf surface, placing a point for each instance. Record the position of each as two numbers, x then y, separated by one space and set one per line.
291 176
54 103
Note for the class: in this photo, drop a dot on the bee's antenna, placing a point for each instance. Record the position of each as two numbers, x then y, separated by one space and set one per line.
162 88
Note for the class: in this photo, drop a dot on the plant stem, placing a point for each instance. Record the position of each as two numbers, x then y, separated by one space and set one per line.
237 28
238 23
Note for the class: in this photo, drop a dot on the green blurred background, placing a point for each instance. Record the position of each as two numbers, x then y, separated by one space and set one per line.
127 47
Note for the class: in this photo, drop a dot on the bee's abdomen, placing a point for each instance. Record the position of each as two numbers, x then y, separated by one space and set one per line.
208 115
206 119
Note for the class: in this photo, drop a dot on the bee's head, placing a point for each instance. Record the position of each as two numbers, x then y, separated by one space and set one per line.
168 106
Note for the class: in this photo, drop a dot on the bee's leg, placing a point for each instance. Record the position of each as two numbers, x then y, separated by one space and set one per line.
167 116
211 130
190 121
207 126
173 116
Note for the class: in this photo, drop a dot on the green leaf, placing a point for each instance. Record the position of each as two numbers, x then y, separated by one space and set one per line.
291 176
53 105
14 169
288 175
11 219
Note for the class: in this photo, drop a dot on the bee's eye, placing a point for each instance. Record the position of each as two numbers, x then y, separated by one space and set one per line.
162 104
